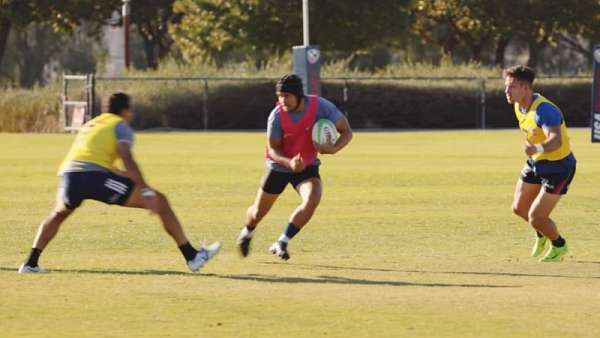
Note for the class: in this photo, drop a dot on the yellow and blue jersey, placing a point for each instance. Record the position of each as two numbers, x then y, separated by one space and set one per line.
95 147
543 114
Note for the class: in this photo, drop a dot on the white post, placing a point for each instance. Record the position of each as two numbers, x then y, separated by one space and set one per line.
305 21
126 23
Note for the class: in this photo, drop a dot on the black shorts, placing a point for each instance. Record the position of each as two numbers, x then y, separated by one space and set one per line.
101 186
274 182
554 176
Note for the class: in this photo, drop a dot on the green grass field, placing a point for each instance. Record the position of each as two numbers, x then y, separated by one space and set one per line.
414 238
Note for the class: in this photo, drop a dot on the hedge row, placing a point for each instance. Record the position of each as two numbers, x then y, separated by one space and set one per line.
371 105
246 105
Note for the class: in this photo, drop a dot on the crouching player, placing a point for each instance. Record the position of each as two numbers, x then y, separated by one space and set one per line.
89 172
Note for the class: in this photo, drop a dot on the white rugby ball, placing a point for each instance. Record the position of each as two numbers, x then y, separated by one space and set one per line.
324 131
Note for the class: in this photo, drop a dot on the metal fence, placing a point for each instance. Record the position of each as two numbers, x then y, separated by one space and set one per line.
70 106
91 82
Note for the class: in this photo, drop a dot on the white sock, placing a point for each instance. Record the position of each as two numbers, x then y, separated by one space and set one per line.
246 233
283 238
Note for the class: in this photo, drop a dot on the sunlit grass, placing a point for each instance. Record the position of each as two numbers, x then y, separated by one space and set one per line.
414 237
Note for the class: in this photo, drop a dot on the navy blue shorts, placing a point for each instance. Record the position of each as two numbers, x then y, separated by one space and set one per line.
554 176
274 182
101 186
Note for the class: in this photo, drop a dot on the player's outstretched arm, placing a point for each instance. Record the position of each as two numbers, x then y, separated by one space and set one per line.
149 196
131 167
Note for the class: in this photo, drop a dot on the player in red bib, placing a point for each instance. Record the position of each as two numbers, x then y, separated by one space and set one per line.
292 158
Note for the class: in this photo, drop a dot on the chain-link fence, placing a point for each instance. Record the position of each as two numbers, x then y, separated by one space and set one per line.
199 102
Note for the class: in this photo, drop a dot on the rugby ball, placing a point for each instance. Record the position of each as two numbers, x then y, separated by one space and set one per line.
324 131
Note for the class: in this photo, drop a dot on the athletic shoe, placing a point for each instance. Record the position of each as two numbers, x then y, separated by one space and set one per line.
555 254
30 269
538 246
280 249
244 245
203 256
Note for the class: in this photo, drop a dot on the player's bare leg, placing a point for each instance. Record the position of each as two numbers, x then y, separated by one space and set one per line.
539 218
167 217
525 194
256 212
46 232
310 191
195 258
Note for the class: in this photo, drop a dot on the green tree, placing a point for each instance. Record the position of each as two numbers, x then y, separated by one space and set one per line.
577 23
218 29
152 23
477 24
60 15
36 24
471 24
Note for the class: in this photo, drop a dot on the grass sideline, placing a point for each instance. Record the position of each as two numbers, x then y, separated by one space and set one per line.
414 238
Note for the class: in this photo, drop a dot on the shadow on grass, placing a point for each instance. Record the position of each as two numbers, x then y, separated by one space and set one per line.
112 272
270 278
587 262
476 273
349 281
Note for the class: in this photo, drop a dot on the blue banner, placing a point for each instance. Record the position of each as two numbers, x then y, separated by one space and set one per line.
595 121
307 65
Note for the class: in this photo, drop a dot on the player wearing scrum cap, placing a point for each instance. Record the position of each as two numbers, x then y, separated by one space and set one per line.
292 158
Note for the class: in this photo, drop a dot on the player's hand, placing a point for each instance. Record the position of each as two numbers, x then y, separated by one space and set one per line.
529 148
297 164
326 148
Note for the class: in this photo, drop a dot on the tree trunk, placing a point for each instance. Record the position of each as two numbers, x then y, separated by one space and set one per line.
449 45
534 53
476 52
163 49
500 49
5 25
576 46
149 49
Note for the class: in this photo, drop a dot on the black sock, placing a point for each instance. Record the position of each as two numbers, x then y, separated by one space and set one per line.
539 234
34 255
188 251
559 242
250 227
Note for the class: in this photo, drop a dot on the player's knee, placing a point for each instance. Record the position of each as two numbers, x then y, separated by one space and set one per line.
256 213
515 209
252 213
312 202
62 213
163 202
260 213
536 219
518 211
